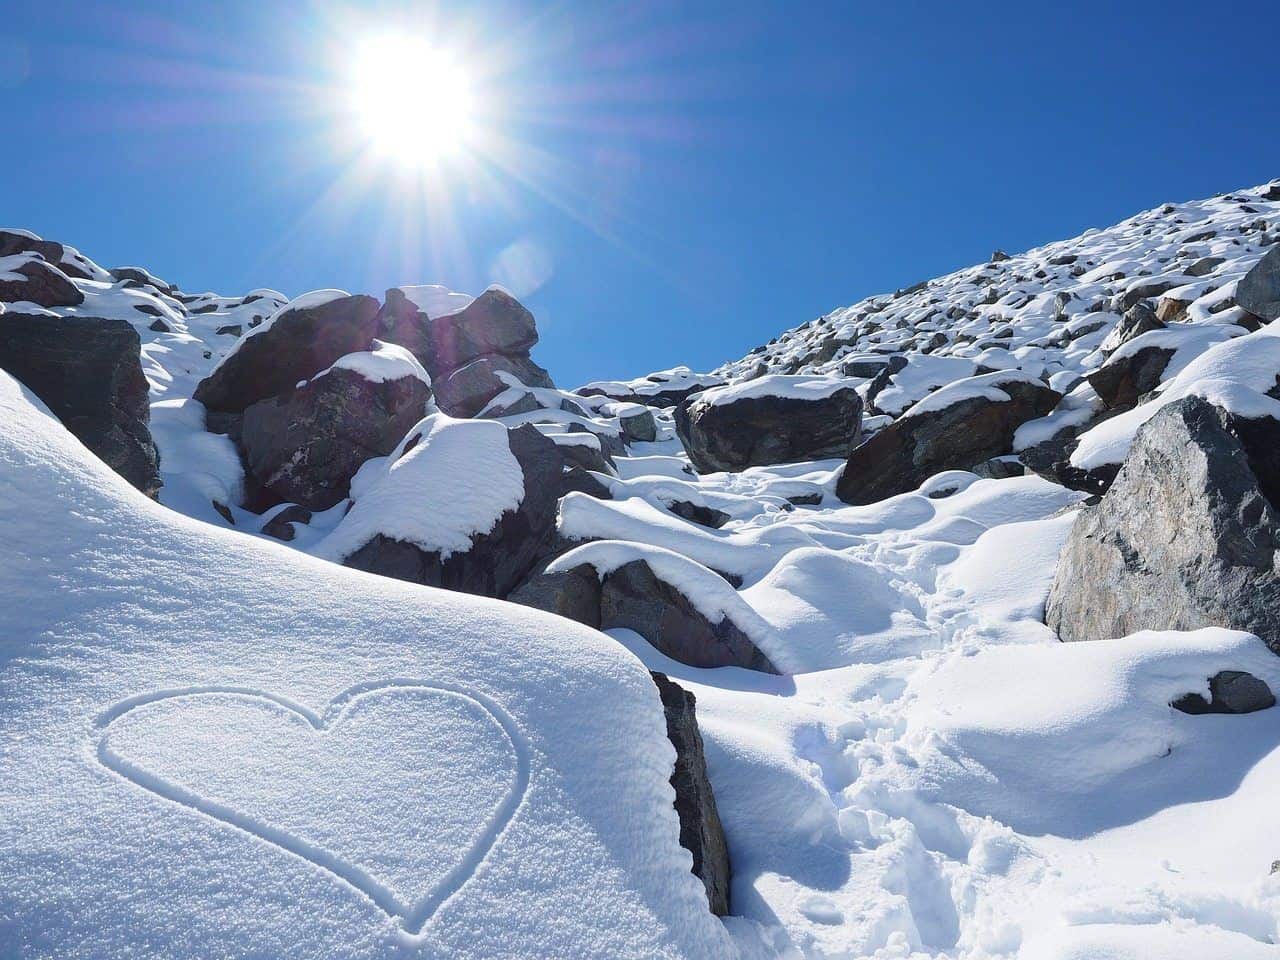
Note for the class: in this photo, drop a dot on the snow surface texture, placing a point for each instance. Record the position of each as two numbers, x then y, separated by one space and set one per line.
937 776
211 746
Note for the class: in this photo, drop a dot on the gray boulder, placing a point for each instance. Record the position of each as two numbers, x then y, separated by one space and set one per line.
304 446
1185 537
1230 691
1259 290
573 594
88 372
639 426
296 346
761 430
914 447
466 391
701 832
1122 381
1137 320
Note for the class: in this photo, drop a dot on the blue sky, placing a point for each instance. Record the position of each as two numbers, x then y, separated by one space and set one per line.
675 183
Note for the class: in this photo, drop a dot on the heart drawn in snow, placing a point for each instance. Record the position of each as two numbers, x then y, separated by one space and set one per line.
399 788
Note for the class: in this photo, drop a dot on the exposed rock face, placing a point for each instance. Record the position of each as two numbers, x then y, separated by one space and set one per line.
1231 691
917 445
498 559
298 344
1185 537
1137 320
1121 381
632 596
305 446
700 830
88 372
574 594
1259 289
638 426
42 283
465 391
760 430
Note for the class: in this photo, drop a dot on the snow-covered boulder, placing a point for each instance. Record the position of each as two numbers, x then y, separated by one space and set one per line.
212 745
448 333
305 445
664 388
68 259
295 343
954 428
1230 691
1185 537
27 278
467 505
772 419
1137 320
87 371
1259 289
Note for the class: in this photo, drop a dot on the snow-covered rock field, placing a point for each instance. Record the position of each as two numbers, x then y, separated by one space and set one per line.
368 674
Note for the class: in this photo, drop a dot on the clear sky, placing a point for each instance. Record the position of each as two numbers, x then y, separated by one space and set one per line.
660 182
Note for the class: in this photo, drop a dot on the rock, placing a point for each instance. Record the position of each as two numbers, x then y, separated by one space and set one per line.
465 392
697 513
574 594
632 596
159 326
1052 460
41 283
1186 536
494 323
914 447
1123 380
304 446
1259 290
588 456
998 255
229 330
13 242
280 526
88 372
297 345
866 368
1142 291
497 560
761 429
1172 310
639 427
701 832
666 388
1000 468
1204 266
1137 320
1230 691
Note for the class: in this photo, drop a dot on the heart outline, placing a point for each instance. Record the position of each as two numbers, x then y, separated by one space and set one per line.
411 917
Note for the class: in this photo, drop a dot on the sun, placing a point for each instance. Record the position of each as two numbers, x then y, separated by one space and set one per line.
412 101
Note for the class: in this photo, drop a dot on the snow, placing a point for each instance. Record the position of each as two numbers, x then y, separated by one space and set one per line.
212 745
466 464
776 385
436 300
385 362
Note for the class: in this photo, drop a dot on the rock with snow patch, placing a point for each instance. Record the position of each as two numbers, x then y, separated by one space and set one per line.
302 339
1129 375
1230 691
701 832
638 425
88 372
465 391
1137 320
1186 536
572 593
664 388
775 419
963 424
30 279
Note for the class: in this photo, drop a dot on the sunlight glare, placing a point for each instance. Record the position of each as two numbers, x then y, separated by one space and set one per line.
413 102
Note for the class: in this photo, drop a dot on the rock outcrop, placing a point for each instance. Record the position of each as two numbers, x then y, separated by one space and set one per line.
1259 290
962 425
88 372
1185 537
770 420
701 832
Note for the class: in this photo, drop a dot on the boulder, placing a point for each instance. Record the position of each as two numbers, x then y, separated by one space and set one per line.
1230 691
1185 537
573 593
1259 290
638 426
464 392
38 282
296 345
701 832
1137 320
963 424
281 524
1051 459
1126 378
304 446
732 429
634 597
497 560
494 322
700 514
88 372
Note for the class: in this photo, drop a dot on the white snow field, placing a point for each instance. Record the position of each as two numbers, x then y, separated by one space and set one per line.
213 744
